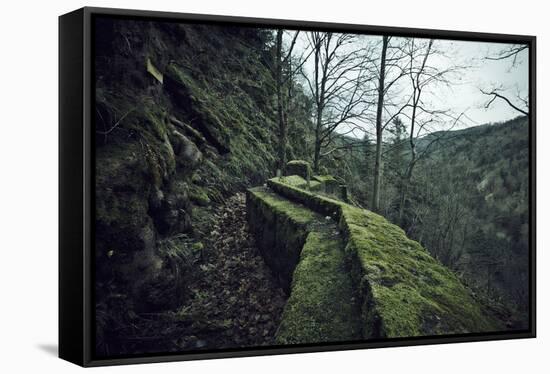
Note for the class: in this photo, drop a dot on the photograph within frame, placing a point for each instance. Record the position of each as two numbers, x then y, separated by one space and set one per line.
193 196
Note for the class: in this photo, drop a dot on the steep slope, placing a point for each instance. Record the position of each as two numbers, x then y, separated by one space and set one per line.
185 117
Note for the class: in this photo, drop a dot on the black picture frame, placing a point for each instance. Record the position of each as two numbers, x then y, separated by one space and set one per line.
76 173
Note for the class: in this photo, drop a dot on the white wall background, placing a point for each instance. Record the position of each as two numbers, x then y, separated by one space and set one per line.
28 184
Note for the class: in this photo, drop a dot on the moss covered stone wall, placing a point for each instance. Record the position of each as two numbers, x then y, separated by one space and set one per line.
306 252
280 228
402 291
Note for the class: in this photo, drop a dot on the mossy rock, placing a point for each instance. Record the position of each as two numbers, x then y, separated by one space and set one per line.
199 195
325 178
318 203
330 184
299 167
186 153
294 180
199 105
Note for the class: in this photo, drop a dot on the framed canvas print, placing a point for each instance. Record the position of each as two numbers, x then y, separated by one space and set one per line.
234 186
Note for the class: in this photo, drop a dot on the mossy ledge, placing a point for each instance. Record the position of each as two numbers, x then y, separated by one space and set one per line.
306 253
322 306
403 291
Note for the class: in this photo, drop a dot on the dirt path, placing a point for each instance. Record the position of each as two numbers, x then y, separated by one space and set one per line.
232 298
235 301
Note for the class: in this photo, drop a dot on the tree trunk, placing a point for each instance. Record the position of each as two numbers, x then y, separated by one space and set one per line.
280 110
375 205
405 183
316 157
403 194
317 153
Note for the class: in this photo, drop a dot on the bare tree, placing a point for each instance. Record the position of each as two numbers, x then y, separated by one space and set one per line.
380 104
281 81
423 75
390 72
338 86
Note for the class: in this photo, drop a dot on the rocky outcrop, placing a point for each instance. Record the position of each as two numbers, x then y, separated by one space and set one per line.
179 127
142 196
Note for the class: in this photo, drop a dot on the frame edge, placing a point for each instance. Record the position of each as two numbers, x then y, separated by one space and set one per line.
71 259
82 337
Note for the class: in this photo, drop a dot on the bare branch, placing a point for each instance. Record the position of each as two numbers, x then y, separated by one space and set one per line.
511 52
494 95
116 123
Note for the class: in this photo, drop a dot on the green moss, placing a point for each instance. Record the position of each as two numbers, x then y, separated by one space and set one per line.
197 247
322 306
318 203
298 181
199 195
146 123
280 227
156 121
176 73
299 167
330 184
228 117
294 180
315 186
121 190
297 213
324 178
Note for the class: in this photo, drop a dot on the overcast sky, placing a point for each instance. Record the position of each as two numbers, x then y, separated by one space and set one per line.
464 94
486 74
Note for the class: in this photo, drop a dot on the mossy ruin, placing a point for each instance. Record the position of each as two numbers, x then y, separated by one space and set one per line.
306 252
281 228
330 184
401 289
298 181
299 167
